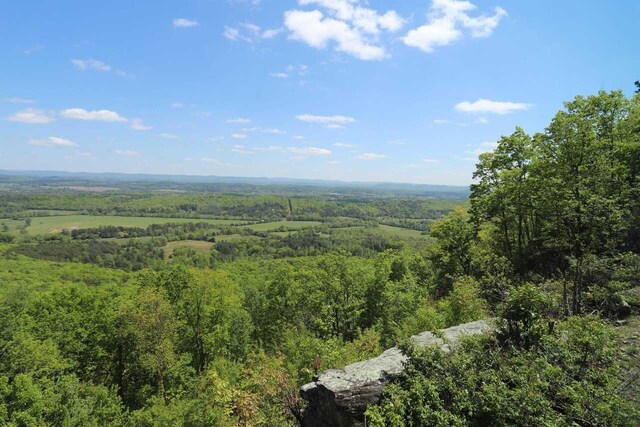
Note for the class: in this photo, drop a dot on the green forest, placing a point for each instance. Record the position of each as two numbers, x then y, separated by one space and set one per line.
175 305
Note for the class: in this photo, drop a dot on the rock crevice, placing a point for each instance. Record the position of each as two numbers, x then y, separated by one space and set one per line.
340 397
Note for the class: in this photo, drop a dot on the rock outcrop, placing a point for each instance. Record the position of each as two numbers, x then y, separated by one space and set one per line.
339 397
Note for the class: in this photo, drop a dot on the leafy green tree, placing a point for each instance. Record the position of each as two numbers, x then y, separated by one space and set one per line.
452 254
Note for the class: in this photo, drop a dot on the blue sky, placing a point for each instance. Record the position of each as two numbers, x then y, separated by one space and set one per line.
373 90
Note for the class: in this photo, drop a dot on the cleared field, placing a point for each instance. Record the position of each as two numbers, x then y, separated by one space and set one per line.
295 225
55 224
199 246
404 233
11 225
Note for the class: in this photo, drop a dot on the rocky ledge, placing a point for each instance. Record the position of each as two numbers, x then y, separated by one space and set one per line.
339 397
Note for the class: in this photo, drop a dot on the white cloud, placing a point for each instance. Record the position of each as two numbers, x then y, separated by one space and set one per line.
210 160
91 64
334 126
481 121
447 22
270 131
273 131
240 120
127 153
396 142
216 139
177 105
184 23
346 25
343 145
250 33
168 136
269 34
31 115
97 116
238 136
298 138
53 141
138 124
94 64
309 151
430 161
441 122
317 31
280 75
370 156
484 106
18 101
241 149
325 120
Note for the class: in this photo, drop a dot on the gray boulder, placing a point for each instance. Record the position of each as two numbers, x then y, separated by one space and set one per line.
339 397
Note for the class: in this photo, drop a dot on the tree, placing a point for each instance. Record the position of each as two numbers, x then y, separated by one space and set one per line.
452 254
150 321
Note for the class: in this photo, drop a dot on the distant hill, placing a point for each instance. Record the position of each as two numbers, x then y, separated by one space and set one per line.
221 183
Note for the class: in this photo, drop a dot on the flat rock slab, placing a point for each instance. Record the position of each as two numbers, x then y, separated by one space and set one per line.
340 397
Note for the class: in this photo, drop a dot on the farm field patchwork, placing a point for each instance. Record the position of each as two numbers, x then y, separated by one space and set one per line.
56 224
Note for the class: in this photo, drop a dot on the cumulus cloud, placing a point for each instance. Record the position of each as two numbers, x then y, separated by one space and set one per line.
240 120
138 124
98 115
448 21
325 120
32 116
343 145
483 106
370 156
440 122
168 136
309 151
238 136
346 25
94 64
241 149
291 70
396 142
53 141
91 64
185 23
250 33
127 153
270 131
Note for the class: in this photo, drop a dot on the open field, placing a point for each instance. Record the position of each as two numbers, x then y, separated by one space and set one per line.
55 224
404 233
12 224
199 246
294 225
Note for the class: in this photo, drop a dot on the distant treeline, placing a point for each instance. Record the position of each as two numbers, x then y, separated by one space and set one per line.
231 206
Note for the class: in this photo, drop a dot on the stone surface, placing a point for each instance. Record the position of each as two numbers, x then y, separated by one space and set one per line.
339 397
